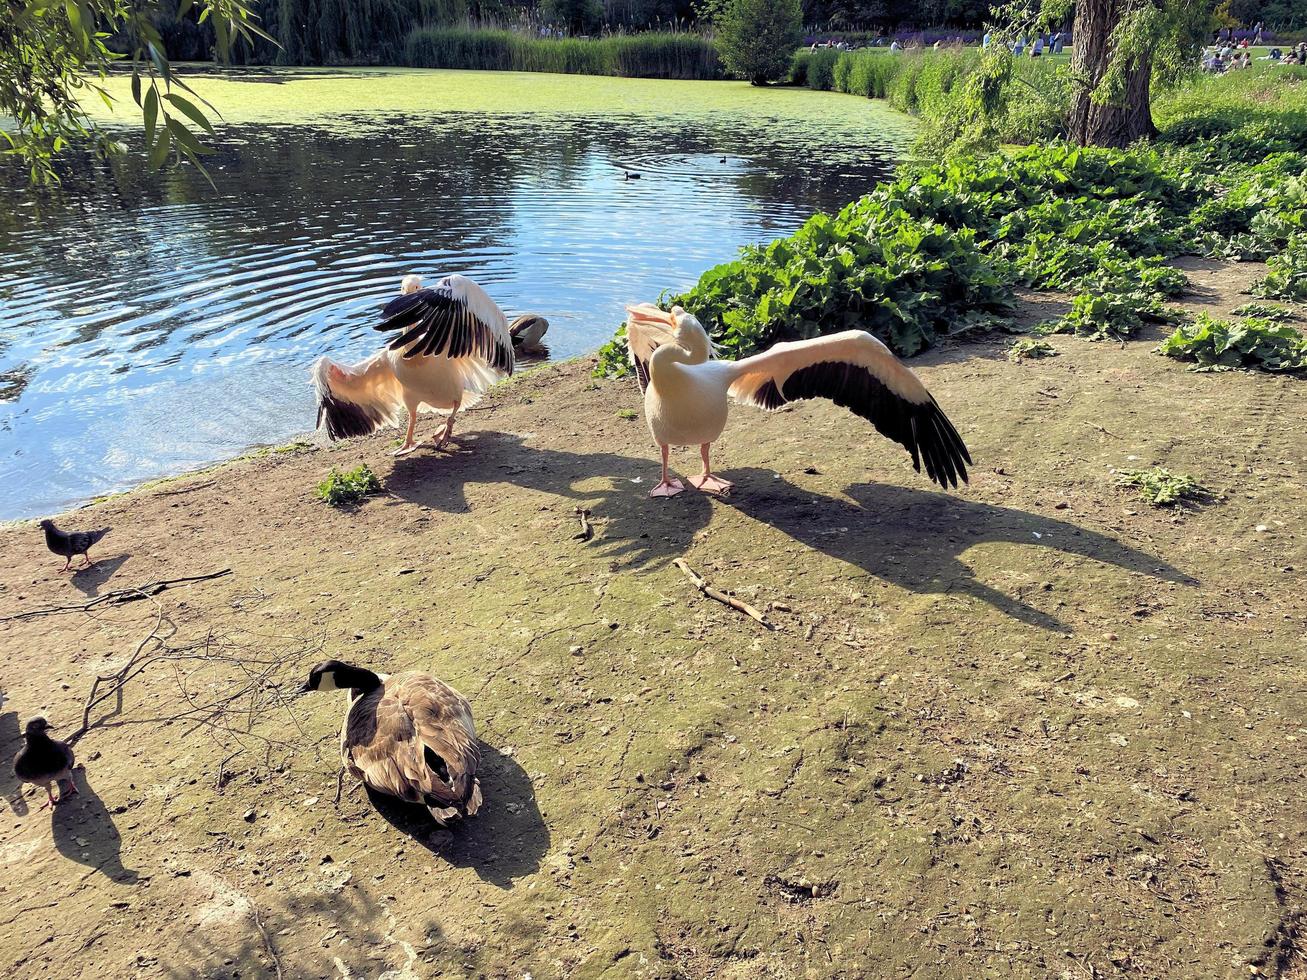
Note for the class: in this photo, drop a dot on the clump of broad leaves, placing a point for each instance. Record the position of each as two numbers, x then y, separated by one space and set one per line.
939 250
1225 345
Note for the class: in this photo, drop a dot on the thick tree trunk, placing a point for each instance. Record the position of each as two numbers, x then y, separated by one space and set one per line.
1092 124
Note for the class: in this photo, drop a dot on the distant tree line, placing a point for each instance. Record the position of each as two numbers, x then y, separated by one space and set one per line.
313 32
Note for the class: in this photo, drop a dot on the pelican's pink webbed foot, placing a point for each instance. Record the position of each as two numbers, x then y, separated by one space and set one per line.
712 484
667 488
405 449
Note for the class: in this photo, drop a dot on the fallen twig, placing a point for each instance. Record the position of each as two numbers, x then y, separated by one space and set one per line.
116 597
722 597
587 529
222 766
124 673
267 940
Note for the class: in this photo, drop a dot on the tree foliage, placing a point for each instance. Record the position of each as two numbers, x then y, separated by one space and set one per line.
757 38
55 53
577 16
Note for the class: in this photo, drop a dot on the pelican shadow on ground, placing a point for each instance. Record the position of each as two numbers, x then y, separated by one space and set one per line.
637 531
915 538
506 840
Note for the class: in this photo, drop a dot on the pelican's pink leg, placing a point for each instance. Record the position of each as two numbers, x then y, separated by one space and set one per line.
667 487
705 481
448 431
409 445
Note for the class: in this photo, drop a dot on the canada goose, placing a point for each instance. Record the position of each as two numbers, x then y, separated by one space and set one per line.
407 735
686 392
453 344
527 331
43 761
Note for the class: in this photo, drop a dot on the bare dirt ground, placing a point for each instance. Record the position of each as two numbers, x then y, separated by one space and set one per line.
1035 728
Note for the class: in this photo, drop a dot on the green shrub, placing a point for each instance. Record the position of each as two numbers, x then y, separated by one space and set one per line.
1116 312
1028 347
937 249
1263 311
1218 345
1286 273
757 38
348 488
1160 487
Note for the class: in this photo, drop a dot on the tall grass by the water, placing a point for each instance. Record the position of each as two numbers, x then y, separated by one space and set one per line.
927 83
650 55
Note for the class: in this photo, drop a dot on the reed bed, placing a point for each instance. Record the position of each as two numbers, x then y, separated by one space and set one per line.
649 55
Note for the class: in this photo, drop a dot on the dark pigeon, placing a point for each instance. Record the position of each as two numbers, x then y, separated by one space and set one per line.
69 544
42 761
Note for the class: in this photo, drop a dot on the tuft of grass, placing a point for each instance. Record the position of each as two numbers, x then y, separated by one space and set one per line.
1028 347
1160 487
339 488
629 414
1219 345
1263 311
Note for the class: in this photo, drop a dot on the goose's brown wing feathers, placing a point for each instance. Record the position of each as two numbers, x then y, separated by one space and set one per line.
413 738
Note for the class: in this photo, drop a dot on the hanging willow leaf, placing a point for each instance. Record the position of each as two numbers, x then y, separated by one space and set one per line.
159 150
151 110
186 140
190 110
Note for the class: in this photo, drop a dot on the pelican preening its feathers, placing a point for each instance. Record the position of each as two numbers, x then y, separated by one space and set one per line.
407 735
686 392
452 343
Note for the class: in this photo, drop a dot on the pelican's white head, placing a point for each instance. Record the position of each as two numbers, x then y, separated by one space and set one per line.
411 284
690 333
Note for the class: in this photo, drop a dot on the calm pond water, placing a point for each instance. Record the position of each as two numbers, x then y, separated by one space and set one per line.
149 325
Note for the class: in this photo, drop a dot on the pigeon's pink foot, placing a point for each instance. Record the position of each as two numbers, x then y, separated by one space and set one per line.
667 488
712 484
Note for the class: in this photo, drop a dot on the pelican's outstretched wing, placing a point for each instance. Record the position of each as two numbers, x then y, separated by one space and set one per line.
857 371
358 400
455 319
647 329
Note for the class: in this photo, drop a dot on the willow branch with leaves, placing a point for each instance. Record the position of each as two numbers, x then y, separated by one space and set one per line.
55 55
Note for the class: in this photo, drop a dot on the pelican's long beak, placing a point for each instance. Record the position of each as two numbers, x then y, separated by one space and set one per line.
648 313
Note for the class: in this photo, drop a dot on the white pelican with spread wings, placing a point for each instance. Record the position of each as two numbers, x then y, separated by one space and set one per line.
452 344
687 392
